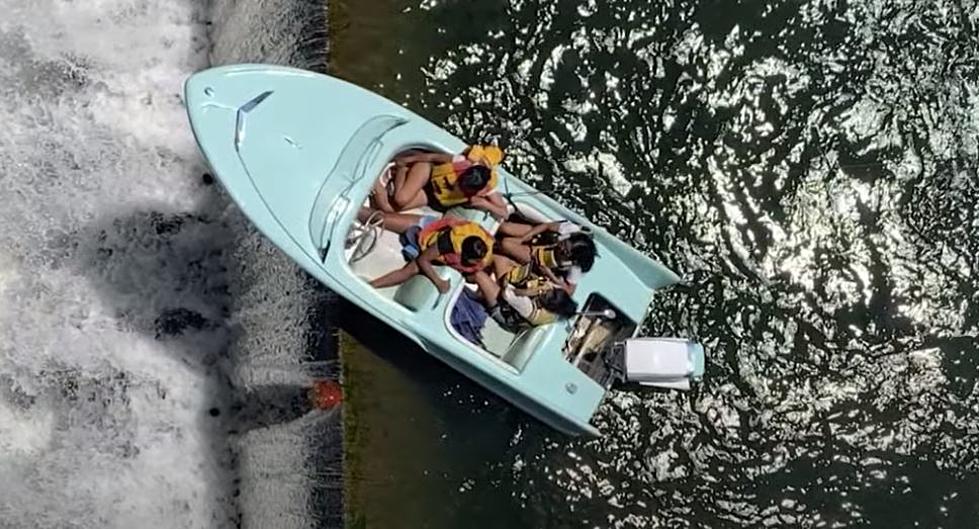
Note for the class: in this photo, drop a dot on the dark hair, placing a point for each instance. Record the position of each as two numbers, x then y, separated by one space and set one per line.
559 302
474 179
473 249
581 250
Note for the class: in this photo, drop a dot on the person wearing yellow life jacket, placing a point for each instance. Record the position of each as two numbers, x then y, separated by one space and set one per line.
527 279
427 241
516 310
523 277
442 181
563 261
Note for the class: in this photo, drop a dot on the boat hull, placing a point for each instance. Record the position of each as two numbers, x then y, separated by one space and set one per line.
299 152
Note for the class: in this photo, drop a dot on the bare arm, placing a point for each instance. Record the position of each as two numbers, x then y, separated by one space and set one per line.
489 289
561 283
492 203
425 265
551 276
539 229
526 292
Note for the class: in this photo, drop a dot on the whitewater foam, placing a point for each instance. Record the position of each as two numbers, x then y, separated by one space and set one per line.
111 290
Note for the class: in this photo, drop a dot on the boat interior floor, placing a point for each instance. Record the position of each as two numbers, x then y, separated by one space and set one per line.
372 251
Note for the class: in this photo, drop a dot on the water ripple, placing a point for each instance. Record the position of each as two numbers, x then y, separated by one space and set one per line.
810 168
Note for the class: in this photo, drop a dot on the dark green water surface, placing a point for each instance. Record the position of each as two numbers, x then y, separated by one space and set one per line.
810 167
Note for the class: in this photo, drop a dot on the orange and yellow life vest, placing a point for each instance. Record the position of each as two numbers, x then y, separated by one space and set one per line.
524 277
445 176
447 234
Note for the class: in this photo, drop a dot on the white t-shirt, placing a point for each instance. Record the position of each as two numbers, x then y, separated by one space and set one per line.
522 304
573 274
566 228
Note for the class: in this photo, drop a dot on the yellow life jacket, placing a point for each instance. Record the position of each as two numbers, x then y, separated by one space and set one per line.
447 234
545 256
541 316
445 176
488 155
523 277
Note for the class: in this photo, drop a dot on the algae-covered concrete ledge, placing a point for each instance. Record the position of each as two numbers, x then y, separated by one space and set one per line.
289 459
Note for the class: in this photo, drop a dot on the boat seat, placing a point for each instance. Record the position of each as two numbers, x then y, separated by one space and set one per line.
526 343
418 293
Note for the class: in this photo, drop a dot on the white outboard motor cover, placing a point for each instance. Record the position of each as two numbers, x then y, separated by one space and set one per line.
662 362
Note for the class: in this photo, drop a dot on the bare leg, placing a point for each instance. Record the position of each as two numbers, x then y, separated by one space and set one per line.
502 265
396 222
514 229
488 289
396 277
407 187
420 199
517 250
409 152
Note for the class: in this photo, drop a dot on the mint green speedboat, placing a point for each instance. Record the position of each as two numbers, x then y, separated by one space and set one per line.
299 153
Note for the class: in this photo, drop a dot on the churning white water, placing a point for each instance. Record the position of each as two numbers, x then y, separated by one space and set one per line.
112 297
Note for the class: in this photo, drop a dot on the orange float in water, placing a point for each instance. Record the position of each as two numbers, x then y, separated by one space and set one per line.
326 394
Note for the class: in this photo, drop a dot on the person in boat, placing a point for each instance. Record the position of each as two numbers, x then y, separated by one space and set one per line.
442 181
427 240
526 278
563 259
516 309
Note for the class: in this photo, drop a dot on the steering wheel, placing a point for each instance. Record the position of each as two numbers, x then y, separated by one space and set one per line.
363 237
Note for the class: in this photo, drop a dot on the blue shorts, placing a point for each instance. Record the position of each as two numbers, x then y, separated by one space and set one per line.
410 247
